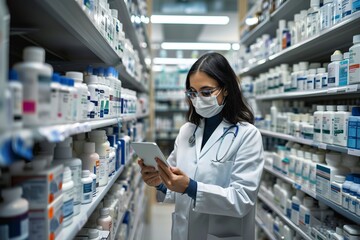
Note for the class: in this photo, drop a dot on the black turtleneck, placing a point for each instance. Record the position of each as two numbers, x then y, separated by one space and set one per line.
210 125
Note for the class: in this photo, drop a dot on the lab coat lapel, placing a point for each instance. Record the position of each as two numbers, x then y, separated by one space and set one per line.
199 137
215 136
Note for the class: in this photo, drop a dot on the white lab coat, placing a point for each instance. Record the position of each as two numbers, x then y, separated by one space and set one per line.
226 192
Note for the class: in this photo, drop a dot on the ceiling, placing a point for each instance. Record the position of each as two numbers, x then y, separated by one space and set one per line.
193 33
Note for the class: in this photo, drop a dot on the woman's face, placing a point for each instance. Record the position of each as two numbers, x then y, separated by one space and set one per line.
200 81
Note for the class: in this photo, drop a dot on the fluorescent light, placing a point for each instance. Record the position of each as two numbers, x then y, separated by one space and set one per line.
235 46
174 61
251 21
195 46
187 19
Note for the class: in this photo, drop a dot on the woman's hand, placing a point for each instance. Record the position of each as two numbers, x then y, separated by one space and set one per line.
173 177
149 174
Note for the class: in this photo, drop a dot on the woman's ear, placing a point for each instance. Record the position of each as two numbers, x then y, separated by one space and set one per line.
225 92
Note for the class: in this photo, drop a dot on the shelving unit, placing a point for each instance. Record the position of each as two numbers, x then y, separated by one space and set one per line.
320 45
120 219
285 11
309 142
79 221
333 91
283 217
260 223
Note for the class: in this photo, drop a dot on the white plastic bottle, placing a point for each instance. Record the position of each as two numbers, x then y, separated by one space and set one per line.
318 77
102 147
341 120
105 220
93 234
64 100
55 98
316 157
313 18
346 7
337 12
338 235
344 70
93 85
91 160
328 124
35 76
303 25
82 101
68 197
295 206
311 78
354 188
273 114
318 122
336 189
346 190
72 107
87 182
14 220
63 155
294 73
16 89
305 213
354 60
333 69
326 14
301 76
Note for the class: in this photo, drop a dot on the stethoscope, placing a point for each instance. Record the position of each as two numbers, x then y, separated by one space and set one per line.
192 141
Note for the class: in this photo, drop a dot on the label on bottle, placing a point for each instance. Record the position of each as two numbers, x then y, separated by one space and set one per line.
340 130
346 8
335 194
344 72
76 177
44 98
87 192
323 181
68 206
355 5
14 227
354 65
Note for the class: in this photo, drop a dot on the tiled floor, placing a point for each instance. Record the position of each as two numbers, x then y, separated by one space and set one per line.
159 227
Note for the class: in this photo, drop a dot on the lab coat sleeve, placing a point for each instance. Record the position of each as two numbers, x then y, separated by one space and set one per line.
239 197
169 197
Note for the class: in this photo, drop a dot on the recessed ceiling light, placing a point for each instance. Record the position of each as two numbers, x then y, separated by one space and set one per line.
195 46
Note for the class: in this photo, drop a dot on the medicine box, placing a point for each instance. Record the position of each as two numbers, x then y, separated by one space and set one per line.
46 223
40 188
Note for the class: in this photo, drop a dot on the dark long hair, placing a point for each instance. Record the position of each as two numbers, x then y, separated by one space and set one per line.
218 68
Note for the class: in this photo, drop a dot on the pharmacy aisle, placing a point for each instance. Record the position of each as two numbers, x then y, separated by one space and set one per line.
75 98
299 65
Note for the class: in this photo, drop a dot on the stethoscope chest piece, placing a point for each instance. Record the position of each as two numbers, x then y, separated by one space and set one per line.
192 140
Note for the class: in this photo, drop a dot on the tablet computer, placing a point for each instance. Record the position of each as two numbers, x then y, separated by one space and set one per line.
148 151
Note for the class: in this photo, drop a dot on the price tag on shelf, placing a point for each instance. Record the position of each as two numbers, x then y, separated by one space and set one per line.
319 145
332 90
352 88
354 152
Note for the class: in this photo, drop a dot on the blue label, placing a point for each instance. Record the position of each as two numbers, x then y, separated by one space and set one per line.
87 188
344 73
331 80
68 208
288 212
14 226
295 207
307 219
356 5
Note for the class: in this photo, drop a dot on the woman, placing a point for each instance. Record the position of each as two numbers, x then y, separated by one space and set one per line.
217 161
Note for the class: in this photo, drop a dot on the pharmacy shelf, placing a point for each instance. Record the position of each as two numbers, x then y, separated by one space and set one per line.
271 205
120 220
290 181
129 29
163 99
339 209
319 46
68 35
86 210
130 82
171 111
333 91
286 11
138 216
260 223
320 145
169 88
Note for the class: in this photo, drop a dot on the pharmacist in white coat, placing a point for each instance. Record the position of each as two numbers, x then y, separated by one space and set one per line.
217 161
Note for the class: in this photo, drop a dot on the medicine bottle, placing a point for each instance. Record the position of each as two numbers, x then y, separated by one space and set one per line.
344 70
328 124
333 69
105 220
351 232
68 197
16 89
102 147
55 98
90 159
63 154
319 78
93 234
341 120
93 85
87 183
82 89
14 220
336 189
35 75
354 59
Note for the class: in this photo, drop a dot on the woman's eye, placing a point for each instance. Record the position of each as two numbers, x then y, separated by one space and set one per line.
206 93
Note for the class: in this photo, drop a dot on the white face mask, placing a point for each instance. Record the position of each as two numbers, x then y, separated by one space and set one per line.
207 107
